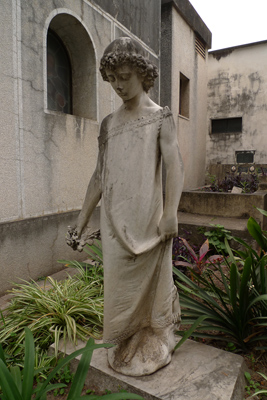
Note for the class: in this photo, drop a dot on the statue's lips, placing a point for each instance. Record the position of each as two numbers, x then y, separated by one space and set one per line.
122 94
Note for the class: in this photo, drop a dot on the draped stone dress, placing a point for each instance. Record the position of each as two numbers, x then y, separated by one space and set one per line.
141 305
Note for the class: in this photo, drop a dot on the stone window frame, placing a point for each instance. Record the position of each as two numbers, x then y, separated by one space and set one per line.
184 96
226 125
82 53
245 156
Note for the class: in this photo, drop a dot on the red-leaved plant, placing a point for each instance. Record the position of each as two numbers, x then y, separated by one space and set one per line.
199 260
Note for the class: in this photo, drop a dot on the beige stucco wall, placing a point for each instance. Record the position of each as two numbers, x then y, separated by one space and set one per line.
237 88
192 130
46 157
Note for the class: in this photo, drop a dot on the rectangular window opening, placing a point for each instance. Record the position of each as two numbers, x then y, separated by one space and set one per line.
245 157
184 96
226 125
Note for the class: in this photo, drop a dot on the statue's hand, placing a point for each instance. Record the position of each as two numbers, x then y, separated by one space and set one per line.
168 227
73 239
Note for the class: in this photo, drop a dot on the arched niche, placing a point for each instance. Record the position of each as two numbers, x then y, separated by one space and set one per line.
83 63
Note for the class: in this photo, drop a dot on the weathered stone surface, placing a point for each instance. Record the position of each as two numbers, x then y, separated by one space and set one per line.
143 12
190 15
224 204
39 243
196 372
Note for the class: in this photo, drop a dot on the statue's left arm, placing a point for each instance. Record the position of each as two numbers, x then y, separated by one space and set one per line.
168 226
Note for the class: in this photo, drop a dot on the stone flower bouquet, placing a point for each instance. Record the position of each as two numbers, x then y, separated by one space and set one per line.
87 237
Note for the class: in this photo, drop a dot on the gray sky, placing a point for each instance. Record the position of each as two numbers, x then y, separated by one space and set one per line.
233 22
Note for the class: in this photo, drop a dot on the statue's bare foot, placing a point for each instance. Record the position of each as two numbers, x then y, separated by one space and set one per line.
130 350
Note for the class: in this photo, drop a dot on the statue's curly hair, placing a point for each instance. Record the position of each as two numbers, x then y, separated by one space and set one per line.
128 51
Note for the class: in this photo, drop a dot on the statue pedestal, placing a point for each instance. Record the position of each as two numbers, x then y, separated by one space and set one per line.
196 372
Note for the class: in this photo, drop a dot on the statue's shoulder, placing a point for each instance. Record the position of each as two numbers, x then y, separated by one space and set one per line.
104 129
105 123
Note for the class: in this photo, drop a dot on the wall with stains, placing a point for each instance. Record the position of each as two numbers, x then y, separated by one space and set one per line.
237 87
47 157
180 25
191 129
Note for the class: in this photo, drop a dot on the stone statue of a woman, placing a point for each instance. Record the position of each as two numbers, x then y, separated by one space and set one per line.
141 304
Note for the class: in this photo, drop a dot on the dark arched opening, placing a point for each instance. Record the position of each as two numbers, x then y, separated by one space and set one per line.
59 76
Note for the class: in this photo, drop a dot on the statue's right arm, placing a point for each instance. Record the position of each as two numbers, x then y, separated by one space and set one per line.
92 197
94 190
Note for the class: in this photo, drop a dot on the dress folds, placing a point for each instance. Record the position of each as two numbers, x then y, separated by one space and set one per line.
138 293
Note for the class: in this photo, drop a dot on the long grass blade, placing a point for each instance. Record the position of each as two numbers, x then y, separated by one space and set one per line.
27 383
233 285
189 332
64 362
82 370
9 389
2 355
16 375
256 232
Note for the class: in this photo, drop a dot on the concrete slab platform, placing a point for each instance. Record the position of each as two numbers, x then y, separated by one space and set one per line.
233 224
196 372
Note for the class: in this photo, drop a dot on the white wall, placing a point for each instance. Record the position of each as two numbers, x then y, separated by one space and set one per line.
46 157
237 87
192 130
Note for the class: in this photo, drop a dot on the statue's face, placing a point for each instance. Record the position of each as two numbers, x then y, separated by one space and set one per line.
125 81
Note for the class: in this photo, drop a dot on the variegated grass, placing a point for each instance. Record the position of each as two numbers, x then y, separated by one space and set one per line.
68 309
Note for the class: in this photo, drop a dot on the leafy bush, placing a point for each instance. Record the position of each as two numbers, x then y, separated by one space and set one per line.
17 384
216 237
263 391
71 309
181 253
237 307
249 183
199 262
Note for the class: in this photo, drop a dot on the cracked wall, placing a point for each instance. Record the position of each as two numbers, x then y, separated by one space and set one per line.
237 85
47 157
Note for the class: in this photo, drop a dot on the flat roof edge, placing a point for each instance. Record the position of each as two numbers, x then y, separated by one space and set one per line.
225 49
190 15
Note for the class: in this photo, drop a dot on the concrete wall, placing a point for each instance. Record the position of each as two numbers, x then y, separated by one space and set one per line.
47 157
237 88
139 16
180 25
228 205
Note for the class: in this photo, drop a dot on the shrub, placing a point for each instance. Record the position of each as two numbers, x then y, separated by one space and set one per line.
248 183
237 308
17 383
69 309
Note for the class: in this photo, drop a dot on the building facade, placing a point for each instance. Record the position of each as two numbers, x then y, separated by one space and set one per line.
237 87
185 41
53 100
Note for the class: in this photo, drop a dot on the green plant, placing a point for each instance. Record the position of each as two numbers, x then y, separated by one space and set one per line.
17 384
233 299
63 376
249 183
69 309
89 271
211 179
251 386
233 308
216 237
199 262
231 347
263 391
